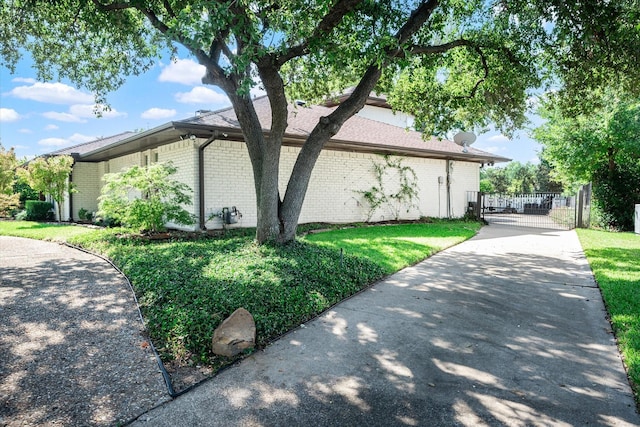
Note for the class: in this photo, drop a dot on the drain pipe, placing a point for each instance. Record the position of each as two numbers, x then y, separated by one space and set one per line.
75 157
201 149
449 167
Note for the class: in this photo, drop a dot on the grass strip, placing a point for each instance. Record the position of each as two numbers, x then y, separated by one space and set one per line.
615 261
394 247
42 231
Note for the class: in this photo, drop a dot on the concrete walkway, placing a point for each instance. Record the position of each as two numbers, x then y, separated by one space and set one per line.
505 329
72 349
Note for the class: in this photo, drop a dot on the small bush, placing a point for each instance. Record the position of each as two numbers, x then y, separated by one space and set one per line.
85 215
21 216
160 199
38 210
9 203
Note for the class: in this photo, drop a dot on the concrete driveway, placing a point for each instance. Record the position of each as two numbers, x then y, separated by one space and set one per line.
508 328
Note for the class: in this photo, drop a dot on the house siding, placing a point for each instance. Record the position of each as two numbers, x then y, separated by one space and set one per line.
184 156
88 177
337 177
88 181
385 115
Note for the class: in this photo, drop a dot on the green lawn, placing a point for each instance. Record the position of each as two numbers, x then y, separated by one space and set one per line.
615 261
396 246
42 231
186 287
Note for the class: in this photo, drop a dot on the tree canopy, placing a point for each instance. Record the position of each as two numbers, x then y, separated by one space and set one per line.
601 146
453 64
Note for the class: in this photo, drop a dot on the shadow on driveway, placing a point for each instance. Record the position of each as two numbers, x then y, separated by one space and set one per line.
508 328
71 345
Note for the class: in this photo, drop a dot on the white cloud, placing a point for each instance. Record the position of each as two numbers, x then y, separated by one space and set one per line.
498 138
74 139
51 127
9 115
25 130
494 149
88 111
52 93
78 113
78 138
23 80
184 71
63 117
201 95
53 142
158 113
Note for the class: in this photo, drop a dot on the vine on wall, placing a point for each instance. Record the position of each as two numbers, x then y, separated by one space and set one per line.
403 197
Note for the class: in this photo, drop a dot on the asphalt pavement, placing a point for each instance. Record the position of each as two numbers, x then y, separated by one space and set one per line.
505 329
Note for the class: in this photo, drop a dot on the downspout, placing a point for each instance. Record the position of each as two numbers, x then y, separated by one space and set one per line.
201 217
75 157
449 165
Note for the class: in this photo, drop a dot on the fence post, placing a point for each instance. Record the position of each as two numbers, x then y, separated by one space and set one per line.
479 206
580 207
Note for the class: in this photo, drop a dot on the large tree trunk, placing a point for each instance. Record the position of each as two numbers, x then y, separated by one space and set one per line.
277 220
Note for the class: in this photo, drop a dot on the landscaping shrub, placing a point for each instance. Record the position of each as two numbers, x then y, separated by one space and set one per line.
9 203
615 194
38 210
160 199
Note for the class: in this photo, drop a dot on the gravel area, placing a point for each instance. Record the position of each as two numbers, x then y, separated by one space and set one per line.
72 346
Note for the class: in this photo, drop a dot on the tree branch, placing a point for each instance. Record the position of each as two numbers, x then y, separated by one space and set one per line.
485 66
112 6
417 19
169 9
328 23
429 50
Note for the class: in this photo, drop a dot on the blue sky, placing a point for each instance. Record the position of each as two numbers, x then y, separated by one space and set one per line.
40 117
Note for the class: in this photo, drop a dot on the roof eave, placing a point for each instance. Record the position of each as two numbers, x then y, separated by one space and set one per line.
174 131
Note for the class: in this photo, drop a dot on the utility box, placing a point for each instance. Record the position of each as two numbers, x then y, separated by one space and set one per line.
637 219
230 215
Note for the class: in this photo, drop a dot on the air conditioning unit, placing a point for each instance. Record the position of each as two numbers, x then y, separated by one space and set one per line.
637 219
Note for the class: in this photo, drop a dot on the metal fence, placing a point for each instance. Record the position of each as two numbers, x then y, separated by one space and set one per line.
540 210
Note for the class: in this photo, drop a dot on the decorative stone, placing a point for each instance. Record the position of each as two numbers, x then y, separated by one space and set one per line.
236 334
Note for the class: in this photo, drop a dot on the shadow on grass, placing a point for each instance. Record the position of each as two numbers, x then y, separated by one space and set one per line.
282 286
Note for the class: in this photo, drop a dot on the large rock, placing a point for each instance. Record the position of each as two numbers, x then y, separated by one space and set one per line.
236 334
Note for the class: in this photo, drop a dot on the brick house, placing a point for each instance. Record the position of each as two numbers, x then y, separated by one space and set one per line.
212 159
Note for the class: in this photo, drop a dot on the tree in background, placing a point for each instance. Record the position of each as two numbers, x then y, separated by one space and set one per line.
495 180
50 176
160 200
453 64
8 163
519 178
602 147
522 178
545 178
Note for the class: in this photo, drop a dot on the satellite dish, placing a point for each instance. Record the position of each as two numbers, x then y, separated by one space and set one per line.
464 139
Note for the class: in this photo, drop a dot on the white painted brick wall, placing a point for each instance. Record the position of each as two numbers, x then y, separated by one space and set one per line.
88 182
465 177
184 156
332 194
